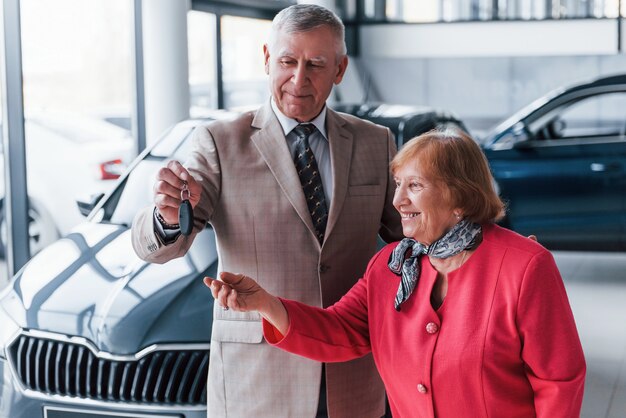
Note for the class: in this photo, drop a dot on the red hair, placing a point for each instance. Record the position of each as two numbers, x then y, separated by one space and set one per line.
454 161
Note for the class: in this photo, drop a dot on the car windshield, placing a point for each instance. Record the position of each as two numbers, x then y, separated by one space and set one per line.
134 192
508 123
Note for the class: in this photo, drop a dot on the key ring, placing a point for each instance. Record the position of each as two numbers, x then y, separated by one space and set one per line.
185 211
184 193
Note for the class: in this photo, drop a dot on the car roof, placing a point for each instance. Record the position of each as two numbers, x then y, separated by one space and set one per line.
523 113
605 81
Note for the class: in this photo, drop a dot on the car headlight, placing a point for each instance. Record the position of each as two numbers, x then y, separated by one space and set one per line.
8 331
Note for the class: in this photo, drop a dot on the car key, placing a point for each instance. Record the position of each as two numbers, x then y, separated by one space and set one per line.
185 211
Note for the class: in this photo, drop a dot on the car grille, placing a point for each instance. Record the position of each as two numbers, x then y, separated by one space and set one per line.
170 377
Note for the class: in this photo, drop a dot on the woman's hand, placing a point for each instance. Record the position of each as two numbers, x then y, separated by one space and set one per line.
237 292
242 294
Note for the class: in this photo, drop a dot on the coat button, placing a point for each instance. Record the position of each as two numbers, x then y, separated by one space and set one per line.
323 268
421 388
432 328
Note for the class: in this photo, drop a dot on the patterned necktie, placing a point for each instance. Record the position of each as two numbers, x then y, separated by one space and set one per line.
310 179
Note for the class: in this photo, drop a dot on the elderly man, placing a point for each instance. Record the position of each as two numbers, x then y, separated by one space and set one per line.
293 190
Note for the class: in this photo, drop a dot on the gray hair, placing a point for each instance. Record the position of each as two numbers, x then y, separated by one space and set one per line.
305 17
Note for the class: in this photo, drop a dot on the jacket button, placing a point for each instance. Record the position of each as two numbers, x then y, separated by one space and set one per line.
323 268
432 328
421 388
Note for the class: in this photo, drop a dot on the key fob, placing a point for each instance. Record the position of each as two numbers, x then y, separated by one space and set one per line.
185 212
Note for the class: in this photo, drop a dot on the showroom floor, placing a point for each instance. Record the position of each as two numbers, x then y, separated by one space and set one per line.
596 285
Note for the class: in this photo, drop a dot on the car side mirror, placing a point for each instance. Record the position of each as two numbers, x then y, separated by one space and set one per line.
86 205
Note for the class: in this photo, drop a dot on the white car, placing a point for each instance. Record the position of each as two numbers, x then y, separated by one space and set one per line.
67 157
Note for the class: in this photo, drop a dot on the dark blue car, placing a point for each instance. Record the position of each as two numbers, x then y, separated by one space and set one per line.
560 164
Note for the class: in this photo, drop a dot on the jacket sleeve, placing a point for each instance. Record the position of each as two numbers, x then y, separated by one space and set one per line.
337 333
203 164
390 225
551 349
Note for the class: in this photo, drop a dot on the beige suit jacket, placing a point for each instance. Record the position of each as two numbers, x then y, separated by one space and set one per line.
253 198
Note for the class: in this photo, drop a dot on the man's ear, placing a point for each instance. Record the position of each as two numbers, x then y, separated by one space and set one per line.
266 55
341 69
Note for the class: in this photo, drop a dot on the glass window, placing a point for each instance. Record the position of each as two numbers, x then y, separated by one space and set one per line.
4 273
77 66
369 8
348 9
413 11
202 54
601 115
471 10
610 8
245 81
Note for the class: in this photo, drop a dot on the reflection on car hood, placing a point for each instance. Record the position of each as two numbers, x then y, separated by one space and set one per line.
91 284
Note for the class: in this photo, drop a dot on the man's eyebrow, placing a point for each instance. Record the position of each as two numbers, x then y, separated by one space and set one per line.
285 53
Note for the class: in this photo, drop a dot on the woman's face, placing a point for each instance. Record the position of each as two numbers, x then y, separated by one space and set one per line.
426 216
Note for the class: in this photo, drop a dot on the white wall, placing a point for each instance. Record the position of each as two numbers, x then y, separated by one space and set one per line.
489 39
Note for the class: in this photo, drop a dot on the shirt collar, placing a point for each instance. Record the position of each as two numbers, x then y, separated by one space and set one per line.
288 124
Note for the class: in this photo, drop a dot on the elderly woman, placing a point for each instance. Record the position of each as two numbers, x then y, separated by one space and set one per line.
463 317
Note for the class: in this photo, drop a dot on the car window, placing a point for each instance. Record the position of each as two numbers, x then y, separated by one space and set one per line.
134 192
137 192
602 115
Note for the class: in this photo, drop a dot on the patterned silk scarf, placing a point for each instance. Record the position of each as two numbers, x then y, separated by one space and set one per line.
464 235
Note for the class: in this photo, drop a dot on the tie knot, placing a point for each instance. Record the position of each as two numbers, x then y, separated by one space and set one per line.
304 130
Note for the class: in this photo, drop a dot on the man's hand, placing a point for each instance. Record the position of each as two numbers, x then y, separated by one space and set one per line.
167 189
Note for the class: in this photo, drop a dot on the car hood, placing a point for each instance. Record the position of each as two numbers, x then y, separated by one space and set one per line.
91 284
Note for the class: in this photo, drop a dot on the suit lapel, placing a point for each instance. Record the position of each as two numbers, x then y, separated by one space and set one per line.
270 141
340 141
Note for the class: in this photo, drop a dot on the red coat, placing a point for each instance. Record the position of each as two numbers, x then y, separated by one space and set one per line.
502 344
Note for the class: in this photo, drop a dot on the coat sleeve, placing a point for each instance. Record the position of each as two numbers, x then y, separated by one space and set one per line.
551 349
390 226
203 164
337 333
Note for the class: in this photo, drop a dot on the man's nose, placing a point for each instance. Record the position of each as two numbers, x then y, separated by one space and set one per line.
300 75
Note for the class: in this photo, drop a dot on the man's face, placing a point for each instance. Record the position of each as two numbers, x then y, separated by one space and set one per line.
303 66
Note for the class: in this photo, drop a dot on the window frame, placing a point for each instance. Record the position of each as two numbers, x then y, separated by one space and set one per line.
255 9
